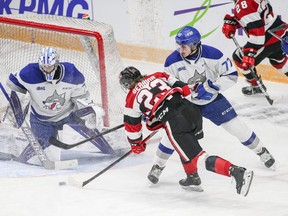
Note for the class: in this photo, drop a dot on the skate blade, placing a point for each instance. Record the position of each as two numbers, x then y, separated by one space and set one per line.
248 177
273 167
193 188
73 182
152 181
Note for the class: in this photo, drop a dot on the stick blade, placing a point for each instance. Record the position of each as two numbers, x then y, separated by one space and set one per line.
73 182
270 101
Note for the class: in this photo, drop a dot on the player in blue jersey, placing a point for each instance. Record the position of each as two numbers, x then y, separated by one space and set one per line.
58 96
208 72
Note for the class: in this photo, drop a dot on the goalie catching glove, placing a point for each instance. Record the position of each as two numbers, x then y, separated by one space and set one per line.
90 113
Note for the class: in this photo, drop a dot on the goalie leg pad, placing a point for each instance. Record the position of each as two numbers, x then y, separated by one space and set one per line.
100 142
44 130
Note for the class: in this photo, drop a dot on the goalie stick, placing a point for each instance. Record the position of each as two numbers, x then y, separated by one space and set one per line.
270 101
47 164
54 141
73 182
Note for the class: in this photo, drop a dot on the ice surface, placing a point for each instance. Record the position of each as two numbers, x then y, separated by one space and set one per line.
124 189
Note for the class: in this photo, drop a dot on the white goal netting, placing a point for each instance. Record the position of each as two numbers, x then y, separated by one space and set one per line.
90 45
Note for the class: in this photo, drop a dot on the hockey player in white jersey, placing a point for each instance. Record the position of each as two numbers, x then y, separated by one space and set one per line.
208 73
58 96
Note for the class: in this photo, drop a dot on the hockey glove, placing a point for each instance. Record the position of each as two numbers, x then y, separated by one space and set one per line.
248 59
138 147
284 44
88 115
230 25
89 112
206 90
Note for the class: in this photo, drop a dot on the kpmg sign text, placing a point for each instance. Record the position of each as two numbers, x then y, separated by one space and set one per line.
69 8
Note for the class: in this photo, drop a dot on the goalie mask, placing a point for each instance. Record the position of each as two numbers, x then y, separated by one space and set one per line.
48 62
128 77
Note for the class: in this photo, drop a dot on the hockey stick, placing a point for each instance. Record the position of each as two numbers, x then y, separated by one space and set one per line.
277 36
73 182
54 141
253 72
281 27
37 148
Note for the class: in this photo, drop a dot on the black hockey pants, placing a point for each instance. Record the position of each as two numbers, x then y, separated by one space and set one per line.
183 125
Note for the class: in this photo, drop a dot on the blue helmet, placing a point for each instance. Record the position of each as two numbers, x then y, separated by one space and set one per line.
188 36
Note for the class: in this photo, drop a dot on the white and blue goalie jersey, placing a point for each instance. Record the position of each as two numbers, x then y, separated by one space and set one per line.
50 101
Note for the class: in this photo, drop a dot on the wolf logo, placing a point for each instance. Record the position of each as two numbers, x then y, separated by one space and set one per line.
54 102
197 79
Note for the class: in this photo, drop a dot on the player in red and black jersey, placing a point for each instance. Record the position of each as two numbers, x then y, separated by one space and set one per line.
162 99
256 17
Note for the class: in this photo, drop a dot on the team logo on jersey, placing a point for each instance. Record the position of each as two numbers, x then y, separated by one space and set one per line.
196 79
40 88
181 68
55 101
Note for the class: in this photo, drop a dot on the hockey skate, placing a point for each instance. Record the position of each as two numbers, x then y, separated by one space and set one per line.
155 173
267 158
192 182
254 88
243 179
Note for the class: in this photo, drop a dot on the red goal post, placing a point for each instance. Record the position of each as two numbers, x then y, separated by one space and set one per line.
90 45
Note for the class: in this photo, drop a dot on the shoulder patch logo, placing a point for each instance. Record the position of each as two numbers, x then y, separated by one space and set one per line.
40 88
181 68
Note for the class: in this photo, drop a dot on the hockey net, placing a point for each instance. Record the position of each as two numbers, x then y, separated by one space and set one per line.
90 45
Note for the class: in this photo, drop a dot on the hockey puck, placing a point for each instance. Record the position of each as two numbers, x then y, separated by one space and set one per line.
62 183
